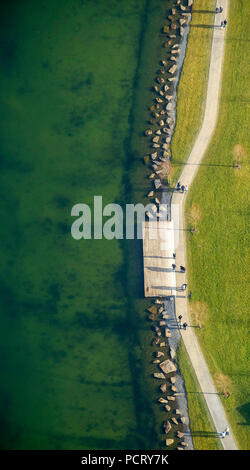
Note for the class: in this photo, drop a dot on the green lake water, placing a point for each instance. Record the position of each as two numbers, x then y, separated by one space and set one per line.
75 78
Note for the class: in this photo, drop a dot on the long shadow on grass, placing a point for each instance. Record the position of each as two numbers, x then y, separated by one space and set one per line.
236 39
204 11
202 164
206 393
203 434
205 26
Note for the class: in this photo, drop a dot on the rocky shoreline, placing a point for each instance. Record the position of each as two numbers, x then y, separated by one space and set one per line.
161 313
163 110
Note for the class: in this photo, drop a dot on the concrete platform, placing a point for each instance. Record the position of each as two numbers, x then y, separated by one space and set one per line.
158 249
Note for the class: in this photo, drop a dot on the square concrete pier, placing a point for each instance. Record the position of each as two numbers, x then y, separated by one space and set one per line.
158 249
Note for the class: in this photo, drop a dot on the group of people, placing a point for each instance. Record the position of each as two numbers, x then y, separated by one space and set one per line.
183 287
181 187
184 325
224 22
182 268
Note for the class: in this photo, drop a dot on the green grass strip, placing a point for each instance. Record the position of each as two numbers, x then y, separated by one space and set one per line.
218 205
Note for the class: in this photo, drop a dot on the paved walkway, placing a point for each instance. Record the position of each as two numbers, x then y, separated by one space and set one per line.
159 276
212 102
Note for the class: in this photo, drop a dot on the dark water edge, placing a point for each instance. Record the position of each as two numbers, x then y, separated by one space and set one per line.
141 147
75 342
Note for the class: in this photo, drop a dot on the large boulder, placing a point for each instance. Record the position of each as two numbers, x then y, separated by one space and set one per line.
162 400
169 442
174 420
159 354
182 21
160 376
170 398
167 427
172 351
167 331
165 146
173 26
167 366
170 106
173 69
157 183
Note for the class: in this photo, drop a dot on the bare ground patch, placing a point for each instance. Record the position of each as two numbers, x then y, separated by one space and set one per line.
240 159
194 216
199 313
223 383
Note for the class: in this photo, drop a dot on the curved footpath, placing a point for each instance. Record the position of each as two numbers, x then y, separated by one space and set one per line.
189 338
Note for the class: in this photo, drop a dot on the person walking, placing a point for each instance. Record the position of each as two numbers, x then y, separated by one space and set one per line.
184 326
219 10
182 268
184 286
223 24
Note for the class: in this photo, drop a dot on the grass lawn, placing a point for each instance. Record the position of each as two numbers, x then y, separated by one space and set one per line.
217 204
200 419
193 83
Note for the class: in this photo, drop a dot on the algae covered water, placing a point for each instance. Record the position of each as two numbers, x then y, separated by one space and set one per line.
71 376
